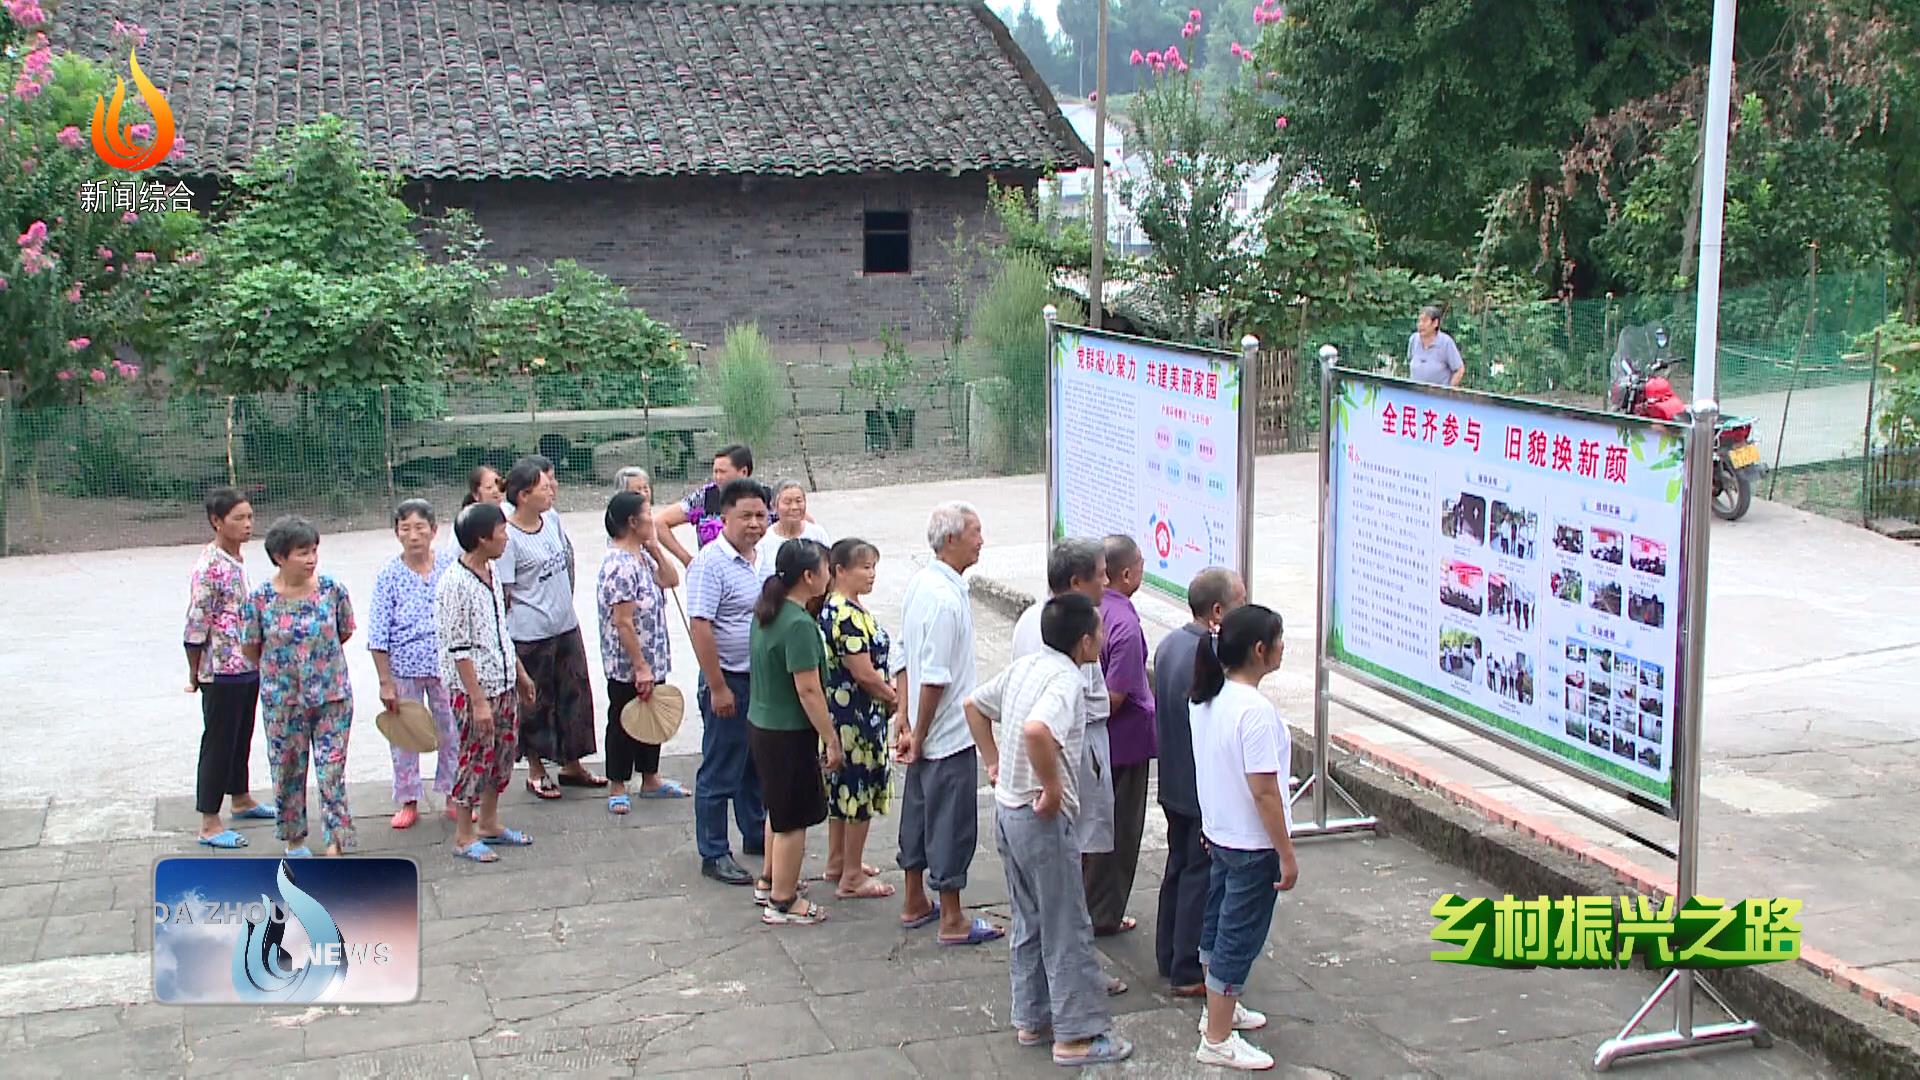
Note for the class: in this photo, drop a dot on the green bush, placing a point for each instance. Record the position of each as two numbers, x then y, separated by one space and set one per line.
1010 349
586 343
746 387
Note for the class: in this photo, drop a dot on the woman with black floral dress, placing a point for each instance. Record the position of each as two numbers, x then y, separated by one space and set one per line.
865 685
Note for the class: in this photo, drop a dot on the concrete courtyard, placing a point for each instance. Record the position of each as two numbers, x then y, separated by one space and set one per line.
600 951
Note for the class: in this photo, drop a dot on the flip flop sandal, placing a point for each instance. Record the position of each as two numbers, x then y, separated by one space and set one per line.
668 789
933 915
1115 987
301 852
979 933
1034 1038
258 812
589 780
813 916
619 805
1105 1050
763 897
543 789
476 852
225 841
509 838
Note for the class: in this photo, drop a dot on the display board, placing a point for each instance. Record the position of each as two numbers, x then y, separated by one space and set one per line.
1518 567
1154 441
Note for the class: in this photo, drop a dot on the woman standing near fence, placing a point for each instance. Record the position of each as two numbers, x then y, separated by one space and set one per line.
536 572
407 654
866 683
634 651
220 672
295 627
484 484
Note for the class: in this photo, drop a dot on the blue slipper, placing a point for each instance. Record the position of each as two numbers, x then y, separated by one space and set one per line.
301 852
476 852
258 812
509 838
668 789
979 933
226 841
619 804
932 915
1105 1050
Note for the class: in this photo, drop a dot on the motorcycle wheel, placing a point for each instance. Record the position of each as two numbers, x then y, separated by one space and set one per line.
1732 492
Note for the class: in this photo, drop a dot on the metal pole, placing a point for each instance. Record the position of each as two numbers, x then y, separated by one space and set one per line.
1866 441
1713 190
1322 688
233 477
1249 424
386 436
1051 314
6 442
1096 276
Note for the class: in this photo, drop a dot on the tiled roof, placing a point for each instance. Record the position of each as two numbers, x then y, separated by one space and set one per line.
487 89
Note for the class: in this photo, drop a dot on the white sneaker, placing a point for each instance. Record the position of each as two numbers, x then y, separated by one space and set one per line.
1235 1053
1244 1019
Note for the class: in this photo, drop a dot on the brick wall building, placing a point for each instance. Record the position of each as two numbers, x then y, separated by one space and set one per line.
794 162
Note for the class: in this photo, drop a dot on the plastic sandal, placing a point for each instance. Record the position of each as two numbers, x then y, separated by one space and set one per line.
406 818
1034 1038
668 789
931 916
619 804
509 838
301 852
258 812
979 933
813 916
1105 1050
225 841
476 852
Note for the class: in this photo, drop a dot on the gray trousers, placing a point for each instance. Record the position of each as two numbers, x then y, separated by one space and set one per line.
1057 981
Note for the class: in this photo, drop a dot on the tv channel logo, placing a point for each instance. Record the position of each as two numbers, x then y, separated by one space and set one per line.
275 931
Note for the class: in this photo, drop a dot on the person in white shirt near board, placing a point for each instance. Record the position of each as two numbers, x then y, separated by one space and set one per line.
1242 755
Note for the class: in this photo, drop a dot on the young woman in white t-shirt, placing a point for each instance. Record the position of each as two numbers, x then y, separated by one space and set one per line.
1242 756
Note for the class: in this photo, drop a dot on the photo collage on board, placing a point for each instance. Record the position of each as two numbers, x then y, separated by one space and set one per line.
1615 581
1488 598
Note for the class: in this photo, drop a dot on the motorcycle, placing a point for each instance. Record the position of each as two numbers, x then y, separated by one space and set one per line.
1640 388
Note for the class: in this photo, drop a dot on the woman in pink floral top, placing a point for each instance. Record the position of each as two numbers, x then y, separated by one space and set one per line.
295 627
218 670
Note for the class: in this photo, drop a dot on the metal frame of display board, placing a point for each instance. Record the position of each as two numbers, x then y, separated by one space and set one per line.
1245 419
1696 529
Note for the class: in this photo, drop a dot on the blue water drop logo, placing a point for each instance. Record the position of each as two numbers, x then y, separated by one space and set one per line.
263 970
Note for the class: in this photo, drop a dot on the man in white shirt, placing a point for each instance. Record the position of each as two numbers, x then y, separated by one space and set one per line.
939 816
1031 726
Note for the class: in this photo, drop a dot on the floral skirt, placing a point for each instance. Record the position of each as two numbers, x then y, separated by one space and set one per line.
559 725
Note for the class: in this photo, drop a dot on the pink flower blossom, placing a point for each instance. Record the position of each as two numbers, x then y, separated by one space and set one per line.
70 137
1172 55
1095 96
1280 124
1240 50
3 284
26 13
105 253
1194 15
97 375
143 256
179 150
73 294
1153 58
34 261
1187 31
1182 67
1159 67
129 218
63 375
191 258
1136 59
76 344
35 235
142 132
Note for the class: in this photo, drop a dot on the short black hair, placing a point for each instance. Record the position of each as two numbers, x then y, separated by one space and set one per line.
419 508
221 501
739 454
1066 619
476 523
742 489
288 535
1070 559
1122 551
525 474
621 509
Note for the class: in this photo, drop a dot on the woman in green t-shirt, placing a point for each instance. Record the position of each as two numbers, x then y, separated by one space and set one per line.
788 723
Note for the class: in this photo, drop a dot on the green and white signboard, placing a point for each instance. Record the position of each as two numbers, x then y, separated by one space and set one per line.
1517 568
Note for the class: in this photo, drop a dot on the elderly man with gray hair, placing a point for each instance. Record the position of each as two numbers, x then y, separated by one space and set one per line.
1077 565
939 814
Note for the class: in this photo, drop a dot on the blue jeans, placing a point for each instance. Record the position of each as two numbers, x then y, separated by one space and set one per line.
1240 898
726 773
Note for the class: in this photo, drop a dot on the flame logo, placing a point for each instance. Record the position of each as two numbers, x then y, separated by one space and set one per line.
262 968
111 141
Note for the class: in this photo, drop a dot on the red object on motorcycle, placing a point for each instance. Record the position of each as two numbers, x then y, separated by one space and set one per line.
1666 408
1734 436
1658 388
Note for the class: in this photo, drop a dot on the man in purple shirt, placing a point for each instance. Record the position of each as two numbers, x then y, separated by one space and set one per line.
1131 735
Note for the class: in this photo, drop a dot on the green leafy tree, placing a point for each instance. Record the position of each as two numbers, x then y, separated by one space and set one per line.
1034 227
589 347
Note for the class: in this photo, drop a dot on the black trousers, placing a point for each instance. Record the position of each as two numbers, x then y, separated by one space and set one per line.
226 741
1183 901
625 754
1109 874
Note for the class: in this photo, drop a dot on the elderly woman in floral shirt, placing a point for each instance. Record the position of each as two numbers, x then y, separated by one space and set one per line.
295 627
634 651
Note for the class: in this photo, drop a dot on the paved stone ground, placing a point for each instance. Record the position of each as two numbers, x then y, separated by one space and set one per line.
600 952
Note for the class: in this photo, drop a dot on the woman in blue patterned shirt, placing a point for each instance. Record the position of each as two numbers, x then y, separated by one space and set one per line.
634 653
406 652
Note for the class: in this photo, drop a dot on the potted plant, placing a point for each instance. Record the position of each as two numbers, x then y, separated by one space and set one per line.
889 426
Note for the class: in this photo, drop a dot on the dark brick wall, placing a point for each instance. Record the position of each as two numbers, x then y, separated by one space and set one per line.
704 253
